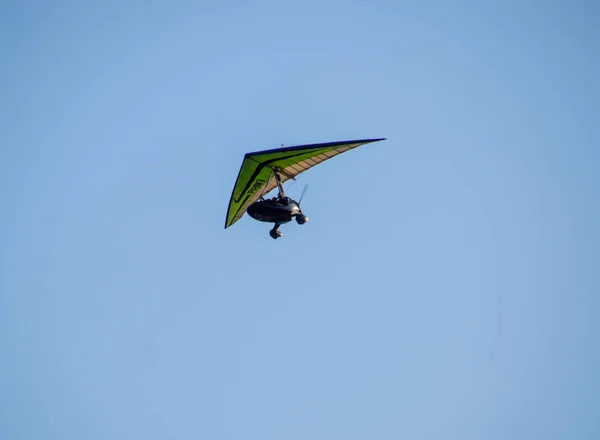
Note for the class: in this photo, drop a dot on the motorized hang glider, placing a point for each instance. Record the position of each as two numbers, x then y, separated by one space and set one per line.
263 171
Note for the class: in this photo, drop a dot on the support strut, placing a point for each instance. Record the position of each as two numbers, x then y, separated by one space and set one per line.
279 184
262 194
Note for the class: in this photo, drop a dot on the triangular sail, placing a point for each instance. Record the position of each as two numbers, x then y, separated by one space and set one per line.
254 175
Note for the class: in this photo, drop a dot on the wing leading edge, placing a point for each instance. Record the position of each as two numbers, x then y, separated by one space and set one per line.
254 176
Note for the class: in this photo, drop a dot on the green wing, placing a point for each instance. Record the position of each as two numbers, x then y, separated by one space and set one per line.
255 179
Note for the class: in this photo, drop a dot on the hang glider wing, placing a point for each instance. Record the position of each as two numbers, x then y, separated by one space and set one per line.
255 173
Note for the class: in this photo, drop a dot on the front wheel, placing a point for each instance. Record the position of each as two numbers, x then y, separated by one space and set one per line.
275 234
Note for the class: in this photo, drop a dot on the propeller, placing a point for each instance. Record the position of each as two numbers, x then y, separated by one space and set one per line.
300 217
302 195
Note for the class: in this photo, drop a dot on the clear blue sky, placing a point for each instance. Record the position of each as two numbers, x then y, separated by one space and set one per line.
446 287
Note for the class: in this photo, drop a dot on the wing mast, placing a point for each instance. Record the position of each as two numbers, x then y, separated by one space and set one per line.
276 171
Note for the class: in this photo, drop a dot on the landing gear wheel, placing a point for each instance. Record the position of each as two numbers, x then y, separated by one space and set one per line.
275 234
301 219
